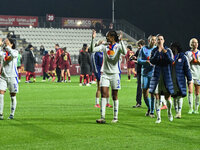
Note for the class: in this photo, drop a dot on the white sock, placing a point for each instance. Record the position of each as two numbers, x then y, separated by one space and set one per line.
1 103
158 108
103 107
96 100
163 100
13 105
169 106
116 108
196 102
190 100
107 100
180 104
176 104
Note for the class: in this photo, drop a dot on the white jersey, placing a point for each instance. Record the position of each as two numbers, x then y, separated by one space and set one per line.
111 57
9 63
195 67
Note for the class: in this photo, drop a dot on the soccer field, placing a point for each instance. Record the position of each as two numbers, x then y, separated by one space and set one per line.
63 116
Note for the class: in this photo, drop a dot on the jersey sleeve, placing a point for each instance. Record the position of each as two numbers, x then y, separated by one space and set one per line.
13 53
123 48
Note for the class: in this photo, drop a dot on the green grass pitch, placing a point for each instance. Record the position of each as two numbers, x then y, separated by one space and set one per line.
62 116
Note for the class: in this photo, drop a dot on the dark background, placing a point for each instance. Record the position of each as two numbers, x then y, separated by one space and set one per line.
177 20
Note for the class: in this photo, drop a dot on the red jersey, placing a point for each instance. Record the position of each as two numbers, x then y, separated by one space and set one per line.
130 63
52 65
59 57
45 63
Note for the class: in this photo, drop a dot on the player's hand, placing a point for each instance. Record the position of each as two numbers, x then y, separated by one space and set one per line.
8 43
1 42
93 34
120 35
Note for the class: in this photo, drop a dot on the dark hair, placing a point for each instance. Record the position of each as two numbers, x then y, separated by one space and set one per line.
159 35
114 34
30 46
177 46
141 42
57 44
51 51
13 42
129 47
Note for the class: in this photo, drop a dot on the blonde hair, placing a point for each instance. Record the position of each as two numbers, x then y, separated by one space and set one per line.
192 41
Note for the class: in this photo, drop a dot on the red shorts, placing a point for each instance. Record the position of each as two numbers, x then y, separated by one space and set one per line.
64 66
130 64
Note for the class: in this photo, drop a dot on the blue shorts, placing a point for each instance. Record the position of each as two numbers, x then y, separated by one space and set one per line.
98 75
145 82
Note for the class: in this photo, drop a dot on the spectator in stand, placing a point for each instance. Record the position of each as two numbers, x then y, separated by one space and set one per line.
45 65
52 65
59 52
84 61
19 63
65 65
42 50
29 63
140 44
130 63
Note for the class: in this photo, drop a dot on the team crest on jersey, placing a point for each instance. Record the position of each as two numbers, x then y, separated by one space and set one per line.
110 53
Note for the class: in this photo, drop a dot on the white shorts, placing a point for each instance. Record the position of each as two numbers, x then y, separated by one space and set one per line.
196 81
10 83
112 80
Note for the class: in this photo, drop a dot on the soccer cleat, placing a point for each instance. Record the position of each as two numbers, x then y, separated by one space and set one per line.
88 84
158 120
80 84
101 121
97 106
190 111
43 80
49 79
34 80
27 81
196 112
163 107
1 117
178 116
11 117
108 105
147 113
114 121
69 81
152 115
137 106
170 118
19 80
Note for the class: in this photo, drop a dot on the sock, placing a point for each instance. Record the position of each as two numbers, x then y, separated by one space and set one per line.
163 100
196 102
96 100
176 104
152 104
115 108
158 108
81 77
13 105
1 103
69 78
107 100
103 107
19 76
90 78
87 78
129 77
146 100
190 100
54 75
180 104
169 106
51 74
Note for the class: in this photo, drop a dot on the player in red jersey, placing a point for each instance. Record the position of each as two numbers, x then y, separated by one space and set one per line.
59 52
45 65
130 63
52 65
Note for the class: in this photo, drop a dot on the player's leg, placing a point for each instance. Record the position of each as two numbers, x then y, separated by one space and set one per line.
158 105
13 88
190 98
145 90
169 106
180 104
97 95
108 100
129 74
196 98
69 76
62 75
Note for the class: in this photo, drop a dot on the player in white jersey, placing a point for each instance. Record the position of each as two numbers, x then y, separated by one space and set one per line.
110 71
9 75
194 59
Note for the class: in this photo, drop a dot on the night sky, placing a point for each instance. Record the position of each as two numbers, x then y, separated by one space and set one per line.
177 20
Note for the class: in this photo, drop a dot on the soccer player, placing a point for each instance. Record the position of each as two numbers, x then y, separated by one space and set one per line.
110 71
147 70
9 75
45 65
59 52
52 65
194 59
130 63
161 82
180 70
97 60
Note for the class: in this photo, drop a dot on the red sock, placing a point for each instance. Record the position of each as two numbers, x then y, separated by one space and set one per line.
81 77
27 76
87 78
33 74
69 78
90 78
53 74
19 76
129 77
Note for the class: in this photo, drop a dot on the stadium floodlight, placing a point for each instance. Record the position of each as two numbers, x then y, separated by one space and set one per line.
113 11
79 23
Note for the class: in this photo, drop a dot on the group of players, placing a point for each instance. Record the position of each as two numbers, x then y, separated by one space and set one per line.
164 72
